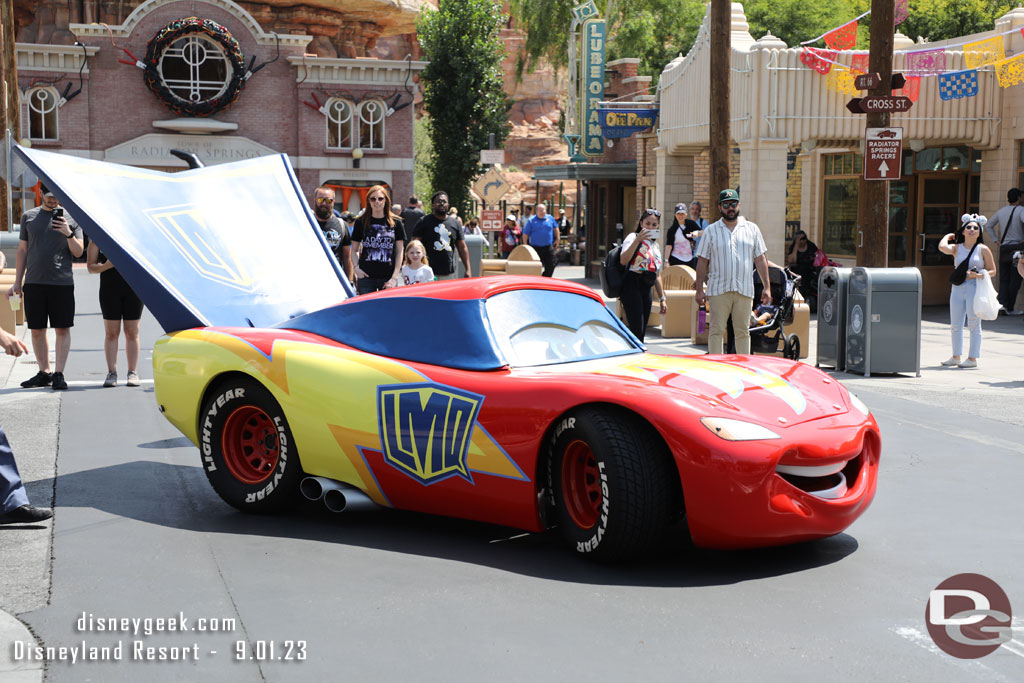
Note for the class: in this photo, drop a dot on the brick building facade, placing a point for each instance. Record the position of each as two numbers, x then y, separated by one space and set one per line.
347 122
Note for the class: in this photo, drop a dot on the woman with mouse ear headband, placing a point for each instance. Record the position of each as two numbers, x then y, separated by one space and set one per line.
980 220
970 257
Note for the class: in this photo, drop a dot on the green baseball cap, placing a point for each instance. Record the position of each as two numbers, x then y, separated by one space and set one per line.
728 195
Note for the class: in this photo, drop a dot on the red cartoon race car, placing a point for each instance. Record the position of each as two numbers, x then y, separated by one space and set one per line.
512 400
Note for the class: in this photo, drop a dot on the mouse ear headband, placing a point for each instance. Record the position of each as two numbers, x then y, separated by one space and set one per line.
973 217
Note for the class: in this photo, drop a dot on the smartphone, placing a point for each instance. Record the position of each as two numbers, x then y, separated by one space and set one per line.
58 212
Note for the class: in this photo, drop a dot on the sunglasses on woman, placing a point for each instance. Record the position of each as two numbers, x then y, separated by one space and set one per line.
652 212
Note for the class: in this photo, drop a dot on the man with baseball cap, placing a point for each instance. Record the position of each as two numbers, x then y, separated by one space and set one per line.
49 240
727 254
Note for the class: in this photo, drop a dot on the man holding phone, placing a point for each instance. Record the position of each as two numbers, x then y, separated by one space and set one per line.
48 242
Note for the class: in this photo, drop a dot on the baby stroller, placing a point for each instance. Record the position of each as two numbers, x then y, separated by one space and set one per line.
766 323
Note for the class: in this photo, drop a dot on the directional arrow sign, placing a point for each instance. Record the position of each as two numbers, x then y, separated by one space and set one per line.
491 186
885 104
854 105
867 81
883 153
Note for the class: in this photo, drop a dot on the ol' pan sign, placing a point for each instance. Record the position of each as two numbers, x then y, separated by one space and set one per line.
621 123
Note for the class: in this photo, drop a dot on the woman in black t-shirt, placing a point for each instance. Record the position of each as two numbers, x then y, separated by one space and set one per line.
378 240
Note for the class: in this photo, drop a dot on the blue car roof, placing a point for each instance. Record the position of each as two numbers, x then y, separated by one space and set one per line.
449 331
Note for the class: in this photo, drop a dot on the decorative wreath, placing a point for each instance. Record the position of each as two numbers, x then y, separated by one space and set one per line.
165 37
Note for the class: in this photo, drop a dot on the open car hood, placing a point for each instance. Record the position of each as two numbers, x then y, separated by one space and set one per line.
227 245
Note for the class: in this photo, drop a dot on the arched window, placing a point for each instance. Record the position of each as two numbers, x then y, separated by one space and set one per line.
339 123
371 124
42 114
195 68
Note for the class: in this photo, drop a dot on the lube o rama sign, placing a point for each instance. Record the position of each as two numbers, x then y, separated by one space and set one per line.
593 87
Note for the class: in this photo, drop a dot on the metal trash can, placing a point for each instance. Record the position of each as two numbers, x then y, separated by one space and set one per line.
475 245
832 292
883 321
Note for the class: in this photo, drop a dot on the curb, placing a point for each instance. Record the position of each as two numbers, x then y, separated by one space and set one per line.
12 631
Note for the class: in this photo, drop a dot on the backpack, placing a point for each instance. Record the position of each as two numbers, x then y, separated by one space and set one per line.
613 273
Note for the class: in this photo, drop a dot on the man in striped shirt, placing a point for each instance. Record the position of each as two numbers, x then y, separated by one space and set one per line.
728 251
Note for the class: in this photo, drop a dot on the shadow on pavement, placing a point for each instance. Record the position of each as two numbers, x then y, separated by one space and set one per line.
180 497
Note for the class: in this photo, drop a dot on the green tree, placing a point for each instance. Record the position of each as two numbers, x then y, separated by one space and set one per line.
463 90
794 21
946 19
654 31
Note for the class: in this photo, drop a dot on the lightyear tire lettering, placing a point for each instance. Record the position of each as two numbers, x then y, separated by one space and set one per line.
613 483
247 449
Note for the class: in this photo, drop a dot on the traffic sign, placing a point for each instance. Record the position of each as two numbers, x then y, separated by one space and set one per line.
492 156
867 81
898 81
491 186
883 153
490 220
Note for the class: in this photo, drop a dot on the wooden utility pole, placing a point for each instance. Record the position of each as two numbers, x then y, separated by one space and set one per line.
9 97
873 195
721 49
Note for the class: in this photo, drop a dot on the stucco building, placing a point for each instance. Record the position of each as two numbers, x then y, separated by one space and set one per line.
800 151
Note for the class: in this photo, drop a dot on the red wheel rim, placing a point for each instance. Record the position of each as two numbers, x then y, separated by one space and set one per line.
250 445
581 484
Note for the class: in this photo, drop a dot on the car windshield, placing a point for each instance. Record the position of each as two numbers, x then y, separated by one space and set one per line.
540 327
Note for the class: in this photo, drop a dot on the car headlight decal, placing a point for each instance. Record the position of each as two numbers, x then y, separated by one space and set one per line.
858 404
737 430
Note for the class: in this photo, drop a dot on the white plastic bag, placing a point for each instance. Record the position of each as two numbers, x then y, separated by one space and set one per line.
986 306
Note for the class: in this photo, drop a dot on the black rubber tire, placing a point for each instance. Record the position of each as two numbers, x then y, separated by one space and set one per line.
636 484
241 411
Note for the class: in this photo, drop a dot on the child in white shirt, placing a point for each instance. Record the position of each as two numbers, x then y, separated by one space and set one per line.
415 268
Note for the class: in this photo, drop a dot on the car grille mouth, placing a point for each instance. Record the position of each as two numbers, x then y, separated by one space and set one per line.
829 482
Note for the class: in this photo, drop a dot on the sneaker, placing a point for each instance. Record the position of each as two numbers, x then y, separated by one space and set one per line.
58 382
1015 312
953 360
968 364
111 380
133 378
41 379
26 514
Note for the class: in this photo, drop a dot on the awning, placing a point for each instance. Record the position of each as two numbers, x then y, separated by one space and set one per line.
624 170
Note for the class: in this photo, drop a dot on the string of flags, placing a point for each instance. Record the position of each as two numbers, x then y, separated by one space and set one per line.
931 62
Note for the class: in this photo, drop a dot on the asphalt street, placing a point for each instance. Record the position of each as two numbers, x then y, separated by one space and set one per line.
139 534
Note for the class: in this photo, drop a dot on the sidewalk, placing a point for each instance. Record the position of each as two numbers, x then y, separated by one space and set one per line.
32 417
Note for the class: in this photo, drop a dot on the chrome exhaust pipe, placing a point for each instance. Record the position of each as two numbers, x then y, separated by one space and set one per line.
314 488
337 496
348 498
